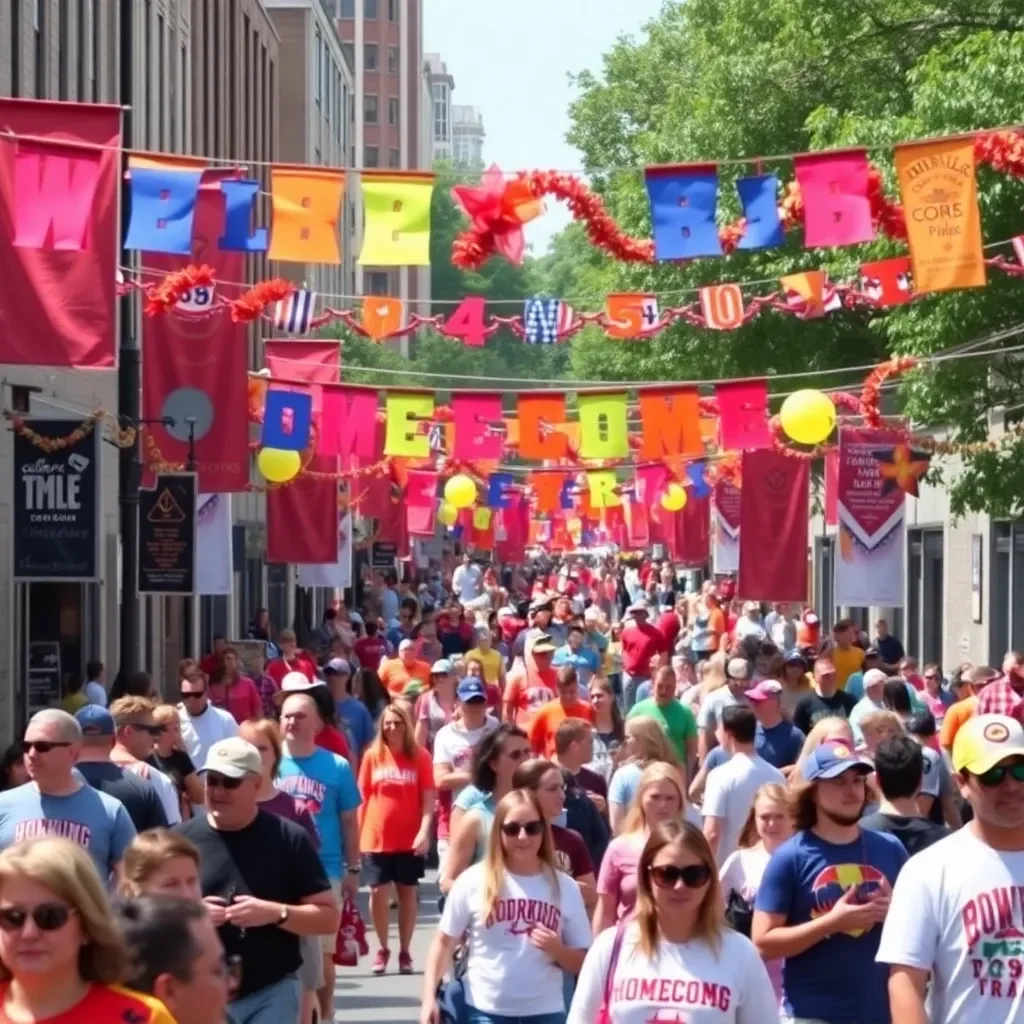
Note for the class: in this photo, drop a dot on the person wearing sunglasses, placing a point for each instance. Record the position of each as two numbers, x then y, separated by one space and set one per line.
61 955
57 800
136 732
955 915
526 923
675 958
202 724
262 883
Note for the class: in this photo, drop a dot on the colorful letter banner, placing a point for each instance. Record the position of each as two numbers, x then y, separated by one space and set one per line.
940 199
725 528
683 202
869 569
834 188
397 210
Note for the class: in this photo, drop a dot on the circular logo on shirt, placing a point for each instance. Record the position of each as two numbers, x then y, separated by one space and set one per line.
996 732
830 884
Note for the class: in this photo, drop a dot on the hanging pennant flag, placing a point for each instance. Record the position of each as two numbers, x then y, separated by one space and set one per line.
467 322
683 201
475 419
743 415
810 294
650 483
538 417
670 423
834 189
631 315
295 313
306 203
546 321
287 420
759 196
349 425
240 196
404 415
722 306
602 489
397 229
604 432
1018 248
940 203
421 488
698 484
887 282
550 490
382 316
163 206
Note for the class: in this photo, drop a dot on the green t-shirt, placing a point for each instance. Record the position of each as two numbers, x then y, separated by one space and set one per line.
676 719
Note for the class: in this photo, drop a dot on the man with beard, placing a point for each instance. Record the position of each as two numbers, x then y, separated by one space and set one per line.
824 894
957 915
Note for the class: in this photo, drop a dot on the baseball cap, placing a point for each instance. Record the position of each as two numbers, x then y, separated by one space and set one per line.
543 645
233 757
830 760
337 667
985 740
471 689
764 689
738 668
296 682
872 652
637 606
95 721
874 677
794 655
405 645
441 667
540 603
508 612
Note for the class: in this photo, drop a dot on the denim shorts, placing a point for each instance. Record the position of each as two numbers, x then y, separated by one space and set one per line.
274 1004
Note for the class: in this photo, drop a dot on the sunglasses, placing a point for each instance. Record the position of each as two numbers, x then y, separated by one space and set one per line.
42 746
47 917
153 730
514 829
668 876
994 776
194 695
222 781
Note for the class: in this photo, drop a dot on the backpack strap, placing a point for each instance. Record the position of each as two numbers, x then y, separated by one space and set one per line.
613 963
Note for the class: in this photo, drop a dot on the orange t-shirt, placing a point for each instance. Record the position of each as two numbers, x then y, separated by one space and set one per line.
106 1004
547 720
392 787
956 715
716 624
395 675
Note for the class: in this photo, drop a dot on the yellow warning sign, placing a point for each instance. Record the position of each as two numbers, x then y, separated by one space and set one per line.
166 510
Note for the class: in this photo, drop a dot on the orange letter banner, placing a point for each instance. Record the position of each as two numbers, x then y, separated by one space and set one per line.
535 413
547 488
670 423
402 435
940 200
722 306
306 203
631 315
604 433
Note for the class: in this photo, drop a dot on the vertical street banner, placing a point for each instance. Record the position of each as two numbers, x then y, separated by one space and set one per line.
57 504
167 535
870 509
725 528
215 558
334 575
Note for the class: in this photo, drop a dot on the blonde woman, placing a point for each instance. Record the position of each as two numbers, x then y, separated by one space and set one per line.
659 797
526 923
161 861
646 743
61 956
675 959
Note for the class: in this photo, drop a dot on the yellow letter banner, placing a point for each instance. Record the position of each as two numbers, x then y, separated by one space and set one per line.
940 201
402 435
306 203
397 219
604 433
603 487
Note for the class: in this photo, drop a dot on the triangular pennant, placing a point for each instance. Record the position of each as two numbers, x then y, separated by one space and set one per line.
382 316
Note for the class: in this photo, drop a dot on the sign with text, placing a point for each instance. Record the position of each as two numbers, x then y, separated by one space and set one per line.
167 535
383 555
44 676
56 505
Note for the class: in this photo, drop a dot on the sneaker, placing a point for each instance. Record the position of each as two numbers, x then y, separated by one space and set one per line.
380 961
404 963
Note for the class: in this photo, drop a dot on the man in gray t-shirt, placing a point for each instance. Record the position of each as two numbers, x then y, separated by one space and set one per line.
57 802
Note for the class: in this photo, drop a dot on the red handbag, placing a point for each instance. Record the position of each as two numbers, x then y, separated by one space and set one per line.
350 944
605 1014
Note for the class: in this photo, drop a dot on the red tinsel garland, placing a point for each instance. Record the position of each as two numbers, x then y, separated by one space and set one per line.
250 306
174 287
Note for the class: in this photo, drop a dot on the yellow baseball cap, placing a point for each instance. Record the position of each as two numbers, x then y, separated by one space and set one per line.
985 740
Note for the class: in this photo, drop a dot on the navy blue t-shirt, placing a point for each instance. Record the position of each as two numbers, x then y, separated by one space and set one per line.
781 744
837 979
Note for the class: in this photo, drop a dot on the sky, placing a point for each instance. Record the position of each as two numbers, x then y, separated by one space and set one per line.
511 60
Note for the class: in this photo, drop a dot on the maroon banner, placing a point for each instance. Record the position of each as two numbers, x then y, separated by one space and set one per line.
194 366
774 505
302 518
59 234
316 361
832 488
513 529
691 536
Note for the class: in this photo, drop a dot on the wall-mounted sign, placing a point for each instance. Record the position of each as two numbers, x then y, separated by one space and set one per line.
167 535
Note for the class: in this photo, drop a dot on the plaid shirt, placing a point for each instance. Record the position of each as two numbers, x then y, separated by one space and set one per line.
267 688
1000 698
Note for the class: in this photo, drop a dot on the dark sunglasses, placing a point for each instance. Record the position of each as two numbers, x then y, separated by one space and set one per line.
194 695
222 781
153 730
47 917
994 776
513 829
42 746
668 876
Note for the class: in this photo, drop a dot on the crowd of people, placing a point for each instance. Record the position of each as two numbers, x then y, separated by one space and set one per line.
645 802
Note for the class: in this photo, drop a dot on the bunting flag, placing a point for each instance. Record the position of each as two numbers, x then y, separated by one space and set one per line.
631 315
940 201
382 316
163 203
683 200
546 321
397 211
722 306
295 313
809 294
834 189
743 415
1018 248
671 423
306 204
887 282
759 197
317 361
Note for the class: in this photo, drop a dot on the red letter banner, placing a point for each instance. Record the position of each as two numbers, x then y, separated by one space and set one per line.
743 415
350 426
58 235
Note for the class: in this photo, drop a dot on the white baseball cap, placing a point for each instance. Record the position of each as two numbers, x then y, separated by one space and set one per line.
233 757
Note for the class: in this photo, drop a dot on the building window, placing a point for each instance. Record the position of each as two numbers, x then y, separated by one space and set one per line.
369 56
392 10
370 109
377 282
318 68
370 10
348 8
1006 589
394 158
392 60
924 595
40 27
371 157
348 51
393 110
64 44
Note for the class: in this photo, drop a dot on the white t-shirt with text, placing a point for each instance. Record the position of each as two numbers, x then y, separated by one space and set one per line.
688 982
729 795
958 911
506 974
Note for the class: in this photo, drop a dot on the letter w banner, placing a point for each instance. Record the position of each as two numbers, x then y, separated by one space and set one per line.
725 528
194 368
59 234
774 507
869 569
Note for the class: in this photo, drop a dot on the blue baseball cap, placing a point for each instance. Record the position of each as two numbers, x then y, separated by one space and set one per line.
830 760
471 689
95 721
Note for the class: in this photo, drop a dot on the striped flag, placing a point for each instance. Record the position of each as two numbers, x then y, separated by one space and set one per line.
546 321
295 313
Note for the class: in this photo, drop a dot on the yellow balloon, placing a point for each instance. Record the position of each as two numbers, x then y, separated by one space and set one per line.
447 514
460 491
674 498
481 518
277 465
808 416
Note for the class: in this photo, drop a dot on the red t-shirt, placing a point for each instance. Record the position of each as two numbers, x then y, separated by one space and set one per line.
279 668
208 663
370 650
640 643
106 1004
330 739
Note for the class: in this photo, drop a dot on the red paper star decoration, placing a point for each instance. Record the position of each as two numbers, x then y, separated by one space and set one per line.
902 467
499 208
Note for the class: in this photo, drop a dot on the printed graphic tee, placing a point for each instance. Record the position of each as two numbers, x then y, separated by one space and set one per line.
684 982
392 787
958 912
506 974
106 1004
